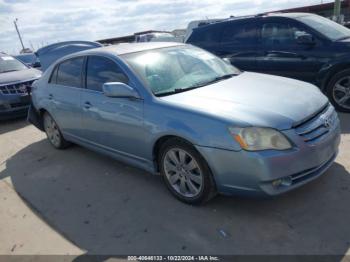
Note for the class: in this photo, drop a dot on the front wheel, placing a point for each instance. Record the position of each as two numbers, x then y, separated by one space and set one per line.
53 132
338 91
185 172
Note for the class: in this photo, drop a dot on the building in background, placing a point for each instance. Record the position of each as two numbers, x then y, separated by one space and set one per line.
326 10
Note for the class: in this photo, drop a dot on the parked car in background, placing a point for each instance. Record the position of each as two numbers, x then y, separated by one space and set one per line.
29 59
157 37
180 111
296 45
50 53
15 81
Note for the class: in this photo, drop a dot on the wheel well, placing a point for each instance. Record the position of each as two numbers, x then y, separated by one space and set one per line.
332 72
42 111
158 144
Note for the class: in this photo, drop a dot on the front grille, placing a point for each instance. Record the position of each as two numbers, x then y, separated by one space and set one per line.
316 127
17 88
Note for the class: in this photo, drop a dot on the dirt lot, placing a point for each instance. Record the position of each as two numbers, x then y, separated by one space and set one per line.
77 201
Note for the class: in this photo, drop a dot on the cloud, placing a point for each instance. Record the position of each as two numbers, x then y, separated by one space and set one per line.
5 9
49 21
16 1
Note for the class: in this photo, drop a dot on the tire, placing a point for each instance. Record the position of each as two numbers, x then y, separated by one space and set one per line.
53 132
185 173
338 88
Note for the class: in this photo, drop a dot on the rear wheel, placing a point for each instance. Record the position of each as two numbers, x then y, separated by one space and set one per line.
53 132
185 172
338 91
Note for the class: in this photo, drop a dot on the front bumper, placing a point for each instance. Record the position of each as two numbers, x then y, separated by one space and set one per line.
13 113
14 106
252 173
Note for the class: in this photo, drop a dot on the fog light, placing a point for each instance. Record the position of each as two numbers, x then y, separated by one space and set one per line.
277 182
287 181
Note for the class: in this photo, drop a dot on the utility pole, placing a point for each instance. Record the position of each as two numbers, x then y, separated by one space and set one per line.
19 35
337 7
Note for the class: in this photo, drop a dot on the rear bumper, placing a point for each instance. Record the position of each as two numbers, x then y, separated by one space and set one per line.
252 173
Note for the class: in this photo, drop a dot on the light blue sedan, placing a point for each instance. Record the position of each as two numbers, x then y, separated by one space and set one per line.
181 112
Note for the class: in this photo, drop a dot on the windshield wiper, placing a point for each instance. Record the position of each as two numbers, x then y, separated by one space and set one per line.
343 38
177 90
219 78
197 85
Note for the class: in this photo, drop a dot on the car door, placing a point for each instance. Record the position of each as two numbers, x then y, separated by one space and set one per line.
113 123
284 56
63 95
239 43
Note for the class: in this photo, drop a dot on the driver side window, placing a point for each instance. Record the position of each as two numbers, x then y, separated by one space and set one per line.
101 70
274 34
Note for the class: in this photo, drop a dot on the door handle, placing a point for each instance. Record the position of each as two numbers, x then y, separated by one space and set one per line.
87 105
50 96
284 54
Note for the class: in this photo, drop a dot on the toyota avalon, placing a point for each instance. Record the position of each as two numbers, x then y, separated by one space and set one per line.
178 111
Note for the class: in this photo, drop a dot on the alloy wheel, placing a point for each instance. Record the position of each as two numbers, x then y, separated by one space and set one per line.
183 172
52 131
341 92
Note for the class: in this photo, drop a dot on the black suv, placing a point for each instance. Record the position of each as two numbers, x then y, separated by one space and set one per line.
296 45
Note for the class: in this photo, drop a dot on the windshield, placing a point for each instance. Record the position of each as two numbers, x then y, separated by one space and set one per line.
328 28
10 64
177 69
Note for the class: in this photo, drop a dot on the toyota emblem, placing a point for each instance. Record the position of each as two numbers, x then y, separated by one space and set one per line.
327 123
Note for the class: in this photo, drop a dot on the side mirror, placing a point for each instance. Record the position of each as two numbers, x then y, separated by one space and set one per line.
118 89
305 39
36 64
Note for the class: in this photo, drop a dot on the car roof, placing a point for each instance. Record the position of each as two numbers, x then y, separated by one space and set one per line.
290 15
126 48
240 18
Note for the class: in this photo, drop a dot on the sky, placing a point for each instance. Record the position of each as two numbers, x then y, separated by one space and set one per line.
50 21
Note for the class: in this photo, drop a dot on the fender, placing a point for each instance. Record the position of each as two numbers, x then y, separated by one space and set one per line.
329 69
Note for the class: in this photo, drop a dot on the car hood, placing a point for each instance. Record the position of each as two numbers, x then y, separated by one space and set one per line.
17 76
255 99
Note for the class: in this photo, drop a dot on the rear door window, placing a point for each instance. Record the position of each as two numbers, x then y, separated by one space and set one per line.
70 72
102 70
240 33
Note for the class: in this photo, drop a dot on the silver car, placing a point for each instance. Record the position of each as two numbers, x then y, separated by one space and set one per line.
179 111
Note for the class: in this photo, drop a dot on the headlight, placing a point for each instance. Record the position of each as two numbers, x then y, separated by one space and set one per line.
260 138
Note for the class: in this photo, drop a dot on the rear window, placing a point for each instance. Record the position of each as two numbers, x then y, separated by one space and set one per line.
69 72
210 33
239 33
